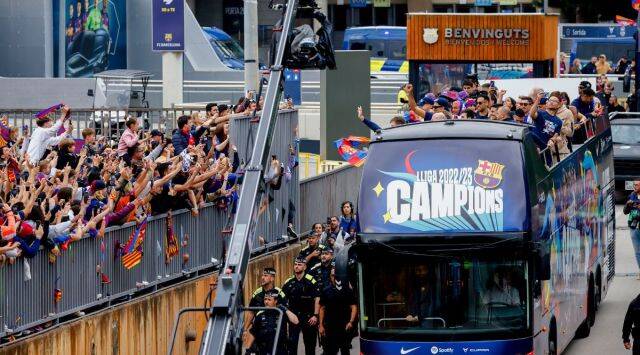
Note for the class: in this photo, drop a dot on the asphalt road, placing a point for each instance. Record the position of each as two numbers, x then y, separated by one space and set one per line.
606 335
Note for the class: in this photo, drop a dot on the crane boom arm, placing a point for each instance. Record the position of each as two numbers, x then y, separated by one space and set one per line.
224 328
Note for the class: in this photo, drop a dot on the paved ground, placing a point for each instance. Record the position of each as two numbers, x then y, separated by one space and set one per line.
605 336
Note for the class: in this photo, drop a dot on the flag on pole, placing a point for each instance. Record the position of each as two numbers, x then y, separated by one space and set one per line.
623 21
133 249
347 147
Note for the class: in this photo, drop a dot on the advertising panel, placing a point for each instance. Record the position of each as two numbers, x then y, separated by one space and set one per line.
168 25
95 36
428 186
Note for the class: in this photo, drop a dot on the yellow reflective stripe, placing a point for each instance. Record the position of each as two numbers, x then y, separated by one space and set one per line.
376 65
404 68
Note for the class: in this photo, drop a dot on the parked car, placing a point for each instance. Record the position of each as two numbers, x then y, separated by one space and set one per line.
626 154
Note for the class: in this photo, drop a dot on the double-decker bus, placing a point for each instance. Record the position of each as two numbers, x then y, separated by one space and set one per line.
473 243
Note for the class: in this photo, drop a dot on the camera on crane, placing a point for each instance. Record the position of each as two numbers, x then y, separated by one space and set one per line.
306 49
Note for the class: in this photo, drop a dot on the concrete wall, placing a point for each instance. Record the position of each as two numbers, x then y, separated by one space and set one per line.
26 28
144 326
30 93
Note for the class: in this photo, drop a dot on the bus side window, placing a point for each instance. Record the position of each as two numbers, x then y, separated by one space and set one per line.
357 46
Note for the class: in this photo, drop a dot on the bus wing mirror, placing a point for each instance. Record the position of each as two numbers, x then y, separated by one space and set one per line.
344 259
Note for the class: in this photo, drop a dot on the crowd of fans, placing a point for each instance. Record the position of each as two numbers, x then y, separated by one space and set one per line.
313 301
557 120
597 65
55 190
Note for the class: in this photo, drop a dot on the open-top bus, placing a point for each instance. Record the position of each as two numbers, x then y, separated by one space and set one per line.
471 242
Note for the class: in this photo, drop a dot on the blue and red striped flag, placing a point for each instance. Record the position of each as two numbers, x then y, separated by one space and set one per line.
635 4
133 249
347 147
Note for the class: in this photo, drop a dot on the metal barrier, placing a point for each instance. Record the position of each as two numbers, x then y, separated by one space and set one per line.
321 196
30 303
109 123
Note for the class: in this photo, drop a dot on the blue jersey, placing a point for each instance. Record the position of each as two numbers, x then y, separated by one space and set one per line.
545 126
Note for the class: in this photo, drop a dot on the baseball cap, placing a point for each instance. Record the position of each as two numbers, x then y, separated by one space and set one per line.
426 100
441 101
543 101
327 250
585 85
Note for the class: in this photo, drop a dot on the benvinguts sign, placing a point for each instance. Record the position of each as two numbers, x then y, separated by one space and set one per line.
487 36
494 37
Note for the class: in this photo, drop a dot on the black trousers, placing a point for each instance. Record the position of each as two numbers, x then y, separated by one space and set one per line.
636 347
333 343
309 337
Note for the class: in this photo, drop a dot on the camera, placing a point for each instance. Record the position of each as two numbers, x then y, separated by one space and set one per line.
634 217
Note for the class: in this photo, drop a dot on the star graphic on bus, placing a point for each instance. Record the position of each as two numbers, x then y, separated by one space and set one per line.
386 216
378 189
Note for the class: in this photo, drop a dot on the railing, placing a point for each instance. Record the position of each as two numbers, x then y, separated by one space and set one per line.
27 303
311 165
108 122
321 196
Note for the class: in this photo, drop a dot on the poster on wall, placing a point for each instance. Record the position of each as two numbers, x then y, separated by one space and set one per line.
95 36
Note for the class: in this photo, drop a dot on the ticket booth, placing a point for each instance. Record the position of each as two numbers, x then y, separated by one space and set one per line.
442 49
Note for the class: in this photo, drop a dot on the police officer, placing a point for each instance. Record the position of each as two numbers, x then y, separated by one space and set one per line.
257 299
265 323
304 300
321 271
338 311
311 253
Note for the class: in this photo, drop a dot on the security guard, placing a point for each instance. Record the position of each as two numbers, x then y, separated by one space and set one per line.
311 253
265 323
304 300
338 312
322 270
257 299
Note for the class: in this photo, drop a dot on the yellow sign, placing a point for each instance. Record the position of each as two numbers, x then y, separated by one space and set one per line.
381 3
508 2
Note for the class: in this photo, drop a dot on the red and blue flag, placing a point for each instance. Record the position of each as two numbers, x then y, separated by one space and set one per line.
348 149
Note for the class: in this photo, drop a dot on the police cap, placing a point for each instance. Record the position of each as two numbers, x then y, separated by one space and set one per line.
273 293
300 260
327 250
269 271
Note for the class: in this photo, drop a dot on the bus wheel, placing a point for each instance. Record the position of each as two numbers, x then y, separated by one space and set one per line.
591 303
553 339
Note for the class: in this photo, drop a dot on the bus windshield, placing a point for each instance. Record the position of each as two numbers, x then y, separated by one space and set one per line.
442 295
625 134
227 49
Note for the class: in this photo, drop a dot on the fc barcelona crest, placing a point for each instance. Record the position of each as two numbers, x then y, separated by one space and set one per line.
430 35
488 175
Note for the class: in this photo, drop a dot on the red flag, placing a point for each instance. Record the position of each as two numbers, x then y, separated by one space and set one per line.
623 21
635 4
133 249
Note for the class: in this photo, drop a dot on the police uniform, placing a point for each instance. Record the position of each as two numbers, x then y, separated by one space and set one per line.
302 295
321 273
337 304
264 330
631 325
306 251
